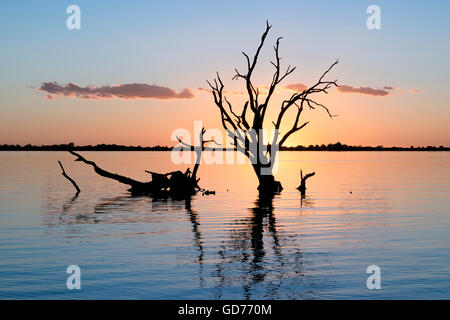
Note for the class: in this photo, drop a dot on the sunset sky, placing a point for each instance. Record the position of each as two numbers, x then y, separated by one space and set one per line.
136 70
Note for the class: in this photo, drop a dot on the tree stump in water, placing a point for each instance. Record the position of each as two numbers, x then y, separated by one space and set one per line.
302 186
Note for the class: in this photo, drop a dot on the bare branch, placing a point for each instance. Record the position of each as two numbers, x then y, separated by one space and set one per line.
202 142
320 86
69 178
290 132
106 174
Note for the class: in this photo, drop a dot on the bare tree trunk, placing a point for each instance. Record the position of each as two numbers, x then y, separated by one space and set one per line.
267 182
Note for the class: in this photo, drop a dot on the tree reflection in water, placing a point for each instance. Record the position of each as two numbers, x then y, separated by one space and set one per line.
256 258
253 257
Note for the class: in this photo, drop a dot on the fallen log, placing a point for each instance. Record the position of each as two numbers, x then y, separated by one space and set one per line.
174 183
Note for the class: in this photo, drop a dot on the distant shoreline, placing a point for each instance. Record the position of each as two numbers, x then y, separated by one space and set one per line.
113 147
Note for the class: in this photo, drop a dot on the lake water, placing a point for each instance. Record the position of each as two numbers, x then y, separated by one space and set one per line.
389 209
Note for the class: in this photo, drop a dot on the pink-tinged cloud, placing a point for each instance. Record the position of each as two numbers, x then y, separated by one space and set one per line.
122 91
415 91
235 92
388 88
204 90
298 87
364 90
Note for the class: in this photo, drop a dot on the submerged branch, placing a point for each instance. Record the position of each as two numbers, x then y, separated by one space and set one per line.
106 174
70 179
174 184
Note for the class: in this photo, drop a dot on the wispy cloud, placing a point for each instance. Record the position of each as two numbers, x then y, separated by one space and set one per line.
346 89
121 91
234 92
365 90
386 91
298 87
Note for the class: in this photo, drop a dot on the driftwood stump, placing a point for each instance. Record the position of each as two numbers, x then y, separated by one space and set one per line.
302 186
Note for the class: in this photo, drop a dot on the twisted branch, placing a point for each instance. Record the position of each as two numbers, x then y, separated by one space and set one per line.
69 178
231 120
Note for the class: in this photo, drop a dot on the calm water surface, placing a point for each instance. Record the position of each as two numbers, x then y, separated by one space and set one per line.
390 209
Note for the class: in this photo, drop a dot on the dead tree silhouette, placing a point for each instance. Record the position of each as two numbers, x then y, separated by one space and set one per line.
260 155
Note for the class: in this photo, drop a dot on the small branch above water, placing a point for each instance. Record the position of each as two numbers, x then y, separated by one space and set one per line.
69 178
302 186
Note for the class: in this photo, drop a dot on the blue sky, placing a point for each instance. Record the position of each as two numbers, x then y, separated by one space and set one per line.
180 44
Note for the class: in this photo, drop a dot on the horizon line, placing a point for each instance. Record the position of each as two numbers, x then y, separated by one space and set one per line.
338 146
